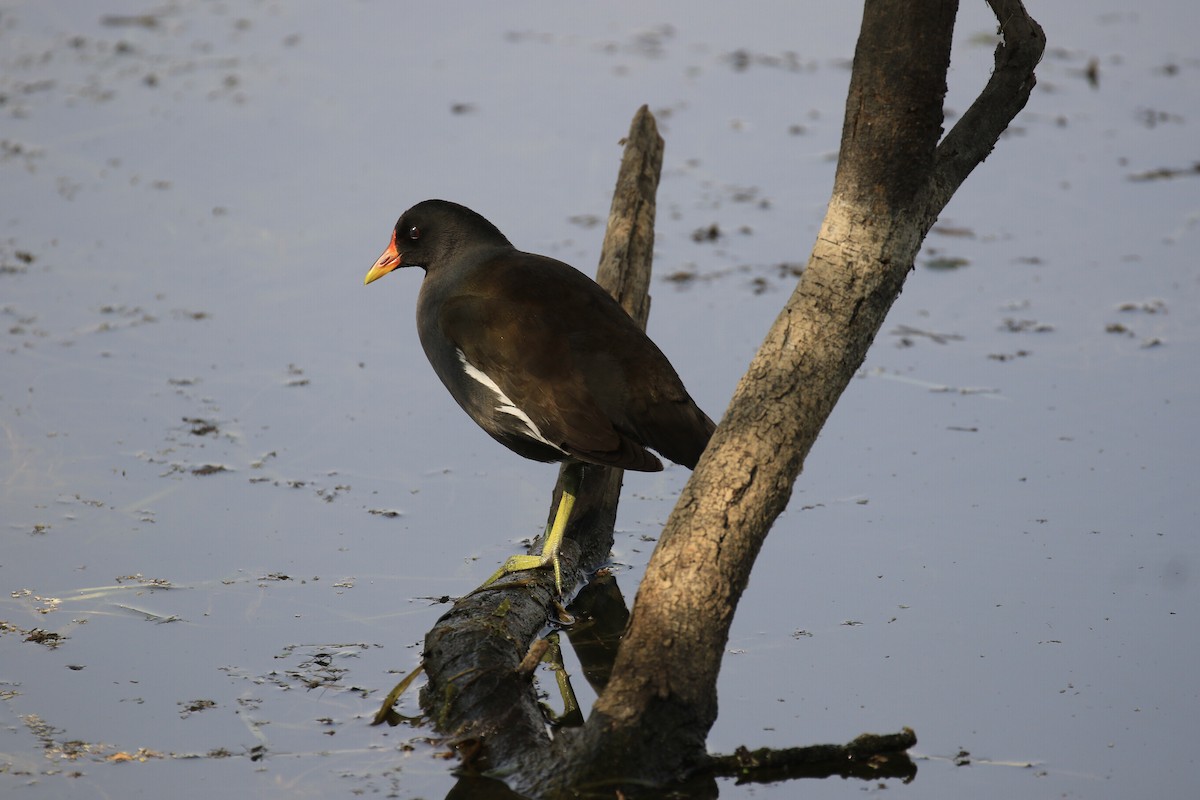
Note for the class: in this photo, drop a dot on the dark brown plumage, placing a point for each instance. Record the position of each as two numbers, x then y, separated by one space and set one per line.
539 355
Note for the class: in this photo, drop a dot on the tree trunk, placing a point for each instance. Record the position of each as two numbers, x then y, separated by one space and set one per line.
892 180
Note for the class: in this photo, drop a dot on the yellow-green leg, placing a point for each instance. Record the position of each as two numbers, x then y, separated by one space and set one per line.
554 535
571 715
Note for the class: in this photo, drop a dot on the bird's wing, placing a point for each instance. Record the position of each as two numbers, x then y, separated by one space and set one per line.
524 348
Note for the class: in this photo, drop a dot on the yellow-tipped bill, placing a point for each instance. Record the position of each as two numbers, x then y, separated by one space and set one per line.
387 262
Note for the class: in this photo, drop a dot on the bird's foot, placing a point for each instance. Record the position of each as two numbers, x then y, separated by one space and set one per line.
522 563
571 476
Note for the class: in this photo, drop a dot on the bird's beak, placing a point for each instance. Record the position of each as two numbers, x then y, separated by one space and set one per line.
387 262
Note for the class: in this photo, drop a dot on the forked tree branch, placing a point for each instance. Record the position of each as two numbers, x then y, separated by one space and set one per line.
894 176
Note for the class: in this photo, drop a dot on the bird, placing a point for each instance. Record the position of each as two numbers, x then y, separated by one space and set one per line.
541 357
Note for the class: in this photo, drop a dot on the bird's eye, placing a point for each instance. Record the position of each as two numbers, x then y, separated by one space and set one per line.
414 233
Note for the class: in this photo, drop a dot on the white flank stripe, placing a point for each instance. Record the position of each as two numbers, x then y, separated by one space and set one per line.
503 403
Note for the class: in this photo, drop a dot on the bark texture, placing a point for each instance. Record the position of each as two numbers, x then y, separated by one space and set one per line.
892 181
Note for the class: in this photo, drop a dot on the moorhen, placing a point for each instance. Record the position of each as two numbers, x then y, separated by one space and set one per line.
541 357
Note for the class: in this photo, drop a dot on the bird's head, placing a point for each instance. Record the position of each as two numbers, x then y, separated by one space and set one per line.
431 233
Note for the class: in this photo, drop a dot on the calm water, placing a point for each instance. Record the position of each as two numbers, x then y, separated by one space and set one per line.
232 485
